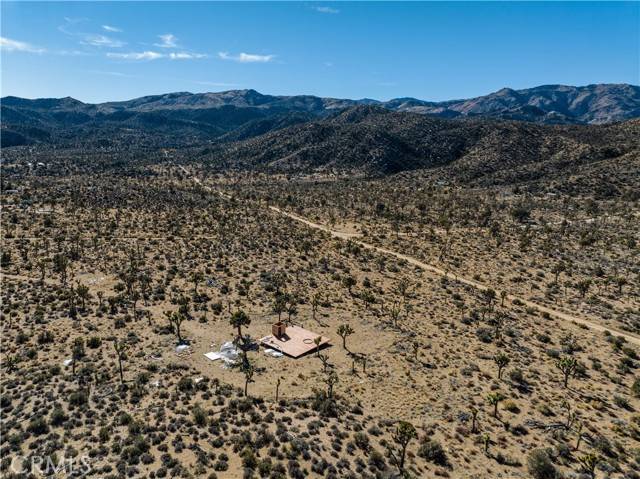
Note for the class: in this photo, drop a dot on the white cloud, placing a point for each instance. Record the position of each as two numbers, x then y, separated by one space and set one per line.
246 57
185 56
326 10
151 55
103 41
109 28
71 53
168 40
8 45
137 56
70 22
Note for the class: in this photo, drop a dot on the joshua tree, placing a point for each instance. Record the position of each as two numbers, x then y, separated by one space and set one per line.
145 285
503 296
394 312
486 440
316 300
489 296
330 380
42 265
568 366
349 282
239 319
494 399
175 320
278 387
579 433
60 266
583 286
197 277
317 342
10 363
621 281
474 419
83 293
557 269
402 436
292 308
120 347
100 296
134 297
280 305
324 359
248 370
498 323
502 360
571 416
363 361
416 350
589 462
368 298
402 288
345 330
77 353
183 306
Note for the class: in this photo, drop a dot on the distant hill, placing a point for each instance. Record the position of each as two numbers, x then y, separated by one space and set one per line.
549 104
182 119
375 140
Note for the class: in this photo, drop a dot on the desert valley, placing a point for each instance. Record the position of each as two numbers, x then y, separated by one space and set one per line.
475 276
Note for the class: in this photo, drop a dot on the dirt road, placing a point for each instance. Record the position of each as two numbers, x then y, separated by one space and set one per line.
632 338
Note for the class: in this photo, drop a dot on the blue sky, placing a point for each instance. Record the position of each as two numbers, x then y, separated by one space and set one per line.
434 51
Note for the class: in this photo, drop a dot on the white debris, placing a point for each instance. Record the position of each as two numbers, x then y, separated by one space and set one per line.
181 348
67 362
228 353
273 353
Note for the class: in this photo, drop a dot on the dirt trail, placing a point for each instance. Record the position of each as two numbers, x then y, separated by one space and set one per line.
632 338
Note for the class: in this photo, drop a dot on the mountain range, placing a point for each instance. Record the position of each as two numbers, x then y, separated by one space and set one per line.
181 119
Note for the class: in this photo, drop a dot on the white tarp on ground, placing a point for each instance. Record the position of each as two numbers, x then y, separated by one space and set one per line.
273 353
228 353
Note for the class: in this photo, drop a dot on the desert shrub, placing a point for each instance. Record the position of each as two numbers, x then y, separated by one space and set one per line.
543 338
78 398
185 384
104 434
603 445
362 440
484 334
248 458
58 417
376 459
545 410
621 402
38 426
635 388
94 342
199 415
45 337
433 451
540 466
516 375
